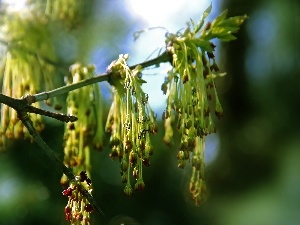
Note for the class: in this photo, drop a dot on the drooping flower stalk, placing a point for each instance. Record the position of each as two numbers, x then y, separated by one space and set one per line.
78 208
189 86
28 68
85 133
130 122
70 12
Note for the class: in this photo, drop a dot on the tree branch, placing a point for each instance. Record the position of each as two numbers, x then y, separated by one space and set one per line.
48 151
12 102
36 137
21 106
164 57
59 116
65 89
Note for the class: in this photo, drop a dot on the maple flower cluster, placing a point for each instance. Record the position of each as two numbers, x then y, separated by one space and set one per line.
192 99
26 68
130 122
69 12
191 91
87 132
78 208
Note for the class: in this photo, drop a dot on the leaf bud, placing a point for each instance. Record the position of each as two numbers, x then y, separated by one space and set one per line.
219 110
128 190
132 158
124 165
88 208
114 153
128 146
196 162
181 163
180 155
135 173
146 161
164 88
139 185
124 178
114 141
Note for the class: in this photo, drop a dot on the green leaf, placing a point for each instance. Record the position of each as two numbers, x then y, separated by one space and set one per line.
235 21
203 44
215 75
228 37
201 22
207 12
140 80
223 28
222 31
219 18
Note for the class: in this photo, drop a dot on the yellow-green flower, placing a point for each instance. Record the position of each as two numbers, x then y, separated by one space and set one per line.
28 68
188 88
85 133
78 208
70 12
130 122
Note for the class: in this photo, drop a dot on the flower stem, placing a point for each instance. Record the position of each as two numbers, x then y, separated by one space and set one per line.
164 57
49 152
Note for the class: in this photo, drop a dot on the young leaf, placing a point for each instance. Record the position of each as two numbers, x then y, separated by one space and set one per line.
224 28
219 19
201 22
203 44
234 21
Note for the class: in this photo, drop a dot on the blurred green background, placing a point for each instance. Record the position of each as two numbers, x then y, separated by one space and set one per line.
253 162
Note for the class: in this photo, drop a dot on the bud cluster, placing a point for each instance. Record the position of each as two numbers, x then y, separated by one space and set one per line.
85 133
26 69
70 12
130 122
197 180
78 208
190 87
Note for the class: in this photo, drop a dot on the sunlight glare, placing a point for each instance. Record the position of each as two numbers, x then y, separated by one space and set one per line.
15 5
156 11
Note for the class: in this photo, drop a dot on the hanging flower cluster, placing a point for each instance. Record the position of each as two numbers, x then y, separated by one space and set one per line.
190 88
27 69
192 99
78 208
87 132
70 12
130 122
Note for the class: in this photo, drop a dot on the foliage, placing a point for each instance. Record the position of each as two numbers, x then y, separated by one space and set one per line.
30 67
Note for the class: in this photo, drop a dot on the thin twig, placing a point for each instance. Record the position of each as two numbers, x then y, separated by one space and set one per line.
59 116
36 137
65 89
49 152
164 57
21 106
12 102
